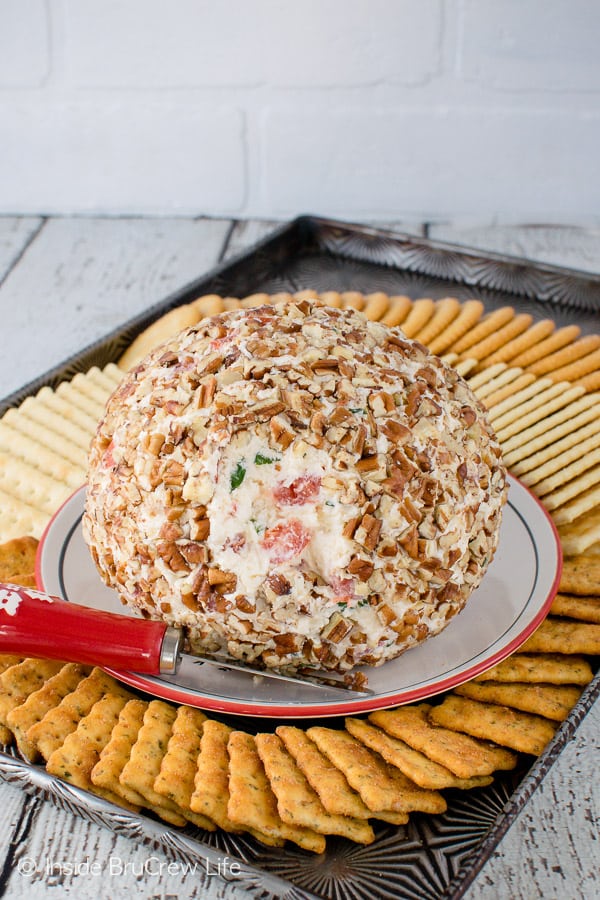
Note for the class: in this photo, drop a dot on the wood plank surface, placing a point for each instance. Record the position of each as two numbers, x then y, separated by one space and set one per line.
71 282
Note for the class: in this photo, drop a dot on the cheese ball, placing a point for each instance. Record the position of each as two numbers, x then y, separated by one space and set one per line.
296 486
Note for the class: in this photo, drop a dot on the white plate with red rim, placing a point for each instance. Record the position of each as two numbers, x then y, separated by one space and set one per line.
502 613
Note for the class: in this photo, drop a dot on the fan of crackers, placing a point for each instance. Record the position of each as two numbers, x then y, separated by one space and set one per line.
540 385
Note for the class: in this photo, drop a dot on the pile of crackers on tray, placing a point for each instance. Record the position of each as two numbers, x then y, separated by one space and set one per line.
541 386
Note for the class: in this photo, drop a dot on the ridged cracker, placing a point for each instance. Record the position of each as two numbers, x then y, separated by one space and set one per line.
550 668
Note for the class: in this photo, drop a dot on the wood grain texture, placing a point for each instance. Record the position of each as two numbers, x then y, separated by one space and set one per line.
15 235
81 278
100 272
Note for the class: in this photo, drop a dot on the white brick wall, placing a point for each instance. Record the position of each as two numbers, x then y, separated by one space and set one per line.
387 109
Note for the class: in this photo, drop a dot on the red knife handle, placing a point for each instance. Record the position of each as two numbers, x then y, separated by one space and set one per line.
36 624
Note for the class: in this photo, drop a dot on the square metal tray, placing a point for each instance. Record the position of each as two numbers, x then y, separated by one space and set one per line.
433 856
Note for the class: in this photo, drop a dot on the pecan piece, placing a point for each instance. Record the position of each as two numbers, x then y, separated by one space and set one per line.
169 553
368 531
363 568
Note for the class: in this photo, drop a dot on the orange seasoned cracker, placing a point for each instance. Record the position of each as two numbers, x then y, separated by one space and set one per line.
585 609
580 575
556 635
507 727
37 704
536 668
415 765
297 802
491 323
380 785
252 803
548 700
376 305
328 781
464 756
115 754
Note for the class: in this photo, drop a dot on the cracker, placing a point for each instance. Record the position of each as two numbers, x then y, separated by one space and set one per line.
159 331
26 580
571 468
537 668
587 500
518 430
115 754
328 781
376 306
43 433
487 721
491 323
566 356
210 795
398 310
331 298
306 294
586 365
583 410
563 636
470 313
209 305
446 310
585 609
175 780
552 451
17 556
84 395
19 681
251 301
31 486
7 660
352 299
509 407
380 785
74 760
575 486
478 383
33 452
464 756
143 766
581 535
547 347
420 313
490 344
557 471
539 331
509 389
464 366
51 731
37 704
580 575
589 382
81 417
297 802
415 765
550 701
252 803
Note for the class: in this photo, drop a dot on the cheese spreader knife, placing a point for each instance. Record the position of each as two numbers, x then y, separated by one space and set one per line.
39 625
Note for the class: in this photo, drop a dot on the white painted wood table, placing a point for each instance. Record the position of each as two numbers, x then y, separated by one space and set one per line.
65 282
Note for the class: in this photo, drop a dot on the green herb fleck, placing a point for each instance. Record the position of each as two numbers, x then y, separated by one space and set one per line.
342 604
357 409
257 526
237 476
261 460
329 503
363 602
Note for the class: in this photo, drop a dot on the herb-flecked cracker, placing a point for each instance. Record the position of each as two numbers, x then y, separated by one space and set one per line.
507 727
415 765
297 802
252 803
328 781
463 755
380 785
35 707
